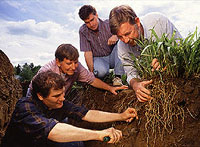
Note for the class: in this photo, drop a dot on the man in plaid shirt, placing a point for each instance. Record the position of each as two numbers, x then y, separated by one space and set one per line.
37 120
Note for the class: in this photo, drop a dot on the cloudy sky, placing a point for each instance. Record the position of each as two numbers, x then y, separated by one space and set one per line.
31 30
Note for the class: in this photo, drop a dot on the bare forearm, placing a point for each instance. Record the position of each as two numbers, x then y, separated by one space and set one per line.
67 133
89 60
100 84
133 82
100 116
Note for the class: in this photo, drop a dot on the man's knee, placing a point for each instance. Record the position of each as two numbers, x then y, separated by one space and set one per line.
101 73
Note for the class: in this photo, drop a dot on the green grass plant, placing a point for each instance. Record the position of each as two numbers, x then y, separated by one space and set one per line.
181 57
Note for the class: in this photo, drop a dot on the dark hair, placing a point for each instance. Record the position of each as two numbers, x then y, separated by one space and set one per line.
66 51
44 82
85 11
120 15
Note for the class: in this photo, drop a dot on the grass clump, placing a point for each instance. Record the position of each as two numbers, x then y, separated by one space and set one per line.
181 59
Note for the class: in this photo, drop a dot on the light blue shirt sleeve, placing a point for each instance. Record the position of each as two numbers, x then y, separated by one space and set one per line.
124 51
156 21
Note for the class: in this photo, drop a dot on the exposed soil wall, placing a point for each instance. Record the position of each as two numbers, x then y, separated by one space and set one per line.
185 127
10 92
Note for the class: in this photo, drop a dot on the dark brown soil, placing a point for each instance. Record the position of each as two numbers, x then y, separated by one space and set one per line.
134 133
10 92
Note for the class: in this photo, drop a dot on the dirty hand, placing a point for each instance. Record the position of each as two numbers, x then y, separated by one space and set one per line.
129 114
114 134
141 92
112 40
155 64
114 89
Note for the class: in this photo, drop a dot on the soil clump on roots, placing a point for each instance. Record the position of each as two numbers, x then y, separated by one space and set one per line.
172 118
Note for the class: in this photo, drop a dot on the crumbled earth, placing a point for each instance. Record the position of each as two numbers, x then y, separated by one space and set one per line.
134 133
10 92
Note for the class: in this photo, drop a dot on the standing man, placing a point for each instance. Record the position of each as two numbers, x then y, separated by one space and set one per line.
37 120
67 65
99 45
128 27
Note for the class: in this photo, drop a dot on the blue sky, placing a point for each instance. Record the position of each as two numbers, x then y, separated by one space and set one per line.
31 30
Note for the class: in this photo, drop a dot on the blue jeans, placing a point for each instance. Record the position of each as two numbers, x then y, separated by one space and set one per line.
103 64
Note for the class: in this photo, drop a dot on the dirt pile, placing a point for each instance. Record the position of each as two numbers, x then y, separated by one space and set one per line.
10 92
184 127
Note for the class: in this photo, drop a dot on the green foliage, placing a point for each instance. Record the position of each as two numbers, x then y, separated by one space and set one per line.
181 57
27 71
111 76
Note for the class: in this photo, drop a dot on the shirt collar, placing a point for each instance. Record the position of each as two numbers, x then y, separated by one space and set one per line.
57 70
99 27
144 28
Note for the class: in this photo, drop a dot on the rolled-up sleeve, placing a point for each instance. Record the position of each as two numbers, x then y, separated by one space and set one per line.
31 121
124 55
74 111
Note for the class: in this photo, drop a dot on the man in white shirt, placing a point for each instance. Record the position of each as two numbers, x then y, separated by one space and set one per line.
128 27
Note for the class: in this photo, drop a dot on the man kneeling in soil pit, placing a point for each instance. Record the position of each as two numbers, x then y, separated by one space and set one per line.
37 120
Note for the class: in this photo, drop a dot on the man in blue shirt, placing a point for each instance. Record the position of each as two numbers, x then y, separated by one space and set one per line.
37 120
129 27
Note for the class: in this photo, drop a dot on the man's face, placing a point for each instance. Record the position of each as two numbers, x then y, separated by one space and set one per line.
67 66
128 33
55 99
92 22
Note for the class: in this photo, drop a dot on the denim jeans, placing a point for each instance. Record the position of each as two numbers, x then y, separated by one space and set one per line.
103 64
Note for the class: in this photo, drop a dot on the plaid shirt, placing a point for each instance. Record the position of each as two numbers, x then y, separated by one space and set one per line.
97 42
32 121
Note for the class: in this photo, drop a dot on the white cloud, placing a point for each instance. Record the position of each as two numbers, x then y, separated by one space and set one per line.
14 4
46 25
38 41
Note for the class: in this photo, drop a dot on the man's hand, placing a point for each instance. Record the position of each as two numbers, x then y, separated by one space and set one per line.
129 114
112 40
114 134
114 89
155 64
141 92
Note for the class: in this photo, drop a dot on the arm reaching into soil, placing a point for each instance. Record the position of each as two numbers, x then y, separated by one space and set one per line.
102 85
100 116
139 87
141 92
62 132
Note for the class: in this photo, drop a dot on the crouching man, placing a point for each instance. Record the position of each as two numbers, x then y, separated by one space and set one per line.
37 120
